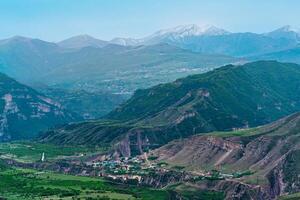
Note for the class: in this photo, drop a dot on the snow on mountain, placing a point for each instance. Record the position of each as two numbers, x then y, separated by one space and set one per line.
176 33
191 30
196 38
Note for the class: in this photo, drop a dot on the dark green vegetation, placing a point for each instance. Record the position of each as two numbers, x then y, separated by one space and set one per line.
17 184
224 99
25 112
251 94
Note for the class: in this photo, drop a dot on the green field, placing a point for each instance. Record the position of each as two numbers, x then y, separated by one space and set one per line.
30 151
23 184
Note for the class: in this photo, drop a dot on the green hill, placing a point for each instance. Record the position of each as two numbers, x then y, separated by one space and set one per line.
227 98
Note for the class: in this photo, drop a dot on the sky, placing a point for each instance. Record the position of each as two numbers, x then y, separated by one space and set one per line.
55 20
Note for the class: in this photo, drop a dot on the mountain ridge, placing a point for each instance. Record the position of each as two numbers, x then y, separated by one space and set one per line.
184 35
196 104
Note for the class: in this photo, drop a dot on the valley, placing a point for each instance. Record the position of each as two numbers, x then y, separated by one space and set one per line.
185 113
109 74
101 69
245 162
70 172
188 139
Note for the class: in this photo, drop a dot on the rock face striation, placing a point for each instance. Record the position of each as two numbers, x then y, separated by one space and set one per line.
271 152
25 112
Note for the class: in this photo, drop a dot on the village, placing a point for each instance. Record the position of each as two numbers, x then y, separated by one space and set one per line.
135 168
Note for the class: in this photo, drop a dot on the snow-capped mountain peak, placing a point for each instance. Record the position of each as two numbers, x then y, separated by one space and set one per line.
191 30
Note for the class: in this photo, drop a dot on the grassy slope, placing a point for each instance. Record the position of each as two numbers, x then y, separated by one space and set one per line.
255 88
220 100
25 184
238 133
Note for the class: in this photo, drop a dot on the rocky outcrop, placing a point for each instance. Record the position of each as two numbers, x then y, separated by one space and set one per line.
24 112
285 177
271 152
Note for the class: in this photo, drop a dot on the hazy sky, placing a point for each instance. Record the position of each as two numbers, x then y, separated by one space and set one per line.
54 20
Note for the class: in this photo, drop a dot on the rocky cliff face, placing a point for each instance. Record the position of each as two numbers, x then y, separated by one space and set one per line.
284 178
25 112
271 152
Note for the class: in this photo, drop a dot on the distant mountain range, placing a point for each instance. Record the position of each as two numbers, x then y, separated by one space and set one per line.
25 112
209 39
83 60
111 70
122 65
33 60
166 98
231 97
